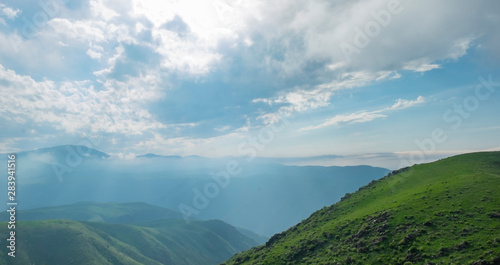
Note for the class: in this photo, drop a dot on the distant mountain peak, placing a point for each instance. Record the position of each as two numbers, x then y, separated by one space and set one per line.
151 155
62 151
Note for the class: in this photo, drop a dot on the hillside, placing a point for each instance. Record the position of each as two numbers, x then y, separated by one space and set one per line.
120 233
446 212
164 242
122 213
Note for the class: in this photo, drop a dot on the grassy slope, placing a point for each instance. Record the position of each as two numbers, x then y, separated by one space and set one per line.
167 242
446 212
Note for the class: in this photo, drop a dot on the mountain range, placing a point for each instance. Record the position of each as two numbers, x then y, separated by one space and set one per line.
445 212
120 233
264 197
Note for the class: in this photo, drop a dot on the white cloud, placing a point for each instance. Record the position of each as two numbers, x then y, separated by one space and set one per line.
365 116
112 61
91 31
209 23
308 32
193 52
287 39
404 103
184 55
9 12
418 38
420 67
287 36
359 117
77 106
302 99
100 10
94 54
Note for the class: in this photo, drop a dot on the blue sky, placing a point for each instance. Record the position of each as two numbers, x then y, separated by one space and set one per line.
364 80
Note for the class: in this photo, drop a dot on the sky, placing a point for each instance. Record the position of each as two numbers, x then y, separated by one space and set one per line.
346 82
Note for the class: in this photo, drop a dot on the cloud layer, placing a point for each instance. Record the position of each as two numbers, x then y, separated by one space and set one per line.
183 76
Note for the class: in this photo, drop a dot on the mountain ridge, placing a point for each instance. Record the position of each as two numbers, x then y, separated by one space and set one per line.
120 233
265 197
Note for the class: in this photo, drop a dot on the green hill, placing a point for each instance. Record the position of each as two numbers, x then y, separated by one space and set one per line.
446 212
164 242
119 233
122 213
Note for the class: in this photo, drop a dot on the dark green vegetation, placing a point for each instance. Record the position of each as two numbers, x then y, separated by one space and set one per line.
164 242
123 213
446 212
120 233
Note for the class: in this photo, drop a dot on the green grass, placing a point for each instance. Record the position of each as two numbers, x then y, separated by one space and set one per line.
155 242
444 212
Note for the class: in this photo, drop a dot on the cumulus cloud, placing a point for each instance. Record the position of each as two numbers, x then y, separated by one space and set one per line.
9 12
183 54
288 38
95 53
99 9
102 26
188 37
128 51
417 36
88 31
306 37
76 107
